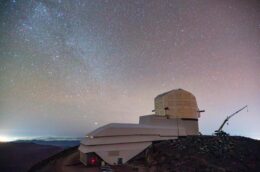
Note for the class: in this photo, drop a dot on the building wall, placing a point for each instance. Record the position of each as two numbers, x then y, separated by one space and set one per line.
178 104
111 153
83 157
190 126
159 106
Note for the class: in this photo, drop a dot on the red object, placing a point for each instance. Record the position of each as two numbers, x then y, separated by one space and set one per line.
93 161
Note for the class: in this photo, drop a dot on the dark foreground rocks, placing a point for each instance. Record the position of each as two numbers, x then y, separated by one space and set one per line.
203 153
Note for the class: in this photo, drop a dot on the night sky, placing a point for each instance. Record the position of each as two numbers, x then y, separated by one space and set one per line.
67 67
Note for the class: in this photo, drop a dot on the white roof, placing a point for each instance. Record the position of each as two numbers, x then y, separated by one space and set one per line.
123 133
114 129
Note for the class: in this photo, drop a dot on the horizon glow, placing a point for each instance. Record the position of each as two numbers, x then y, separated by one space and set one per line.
7 138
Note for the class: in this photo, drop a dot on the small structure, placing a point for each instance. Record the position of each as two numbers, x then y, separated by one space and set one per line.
176 114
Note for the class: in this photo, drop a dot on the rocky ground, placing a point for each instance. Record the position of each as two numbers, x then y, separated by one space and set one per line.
194 153
203 153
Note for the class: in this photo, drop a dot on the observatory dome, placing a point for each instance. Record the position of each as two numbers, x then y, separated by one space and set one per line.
177 103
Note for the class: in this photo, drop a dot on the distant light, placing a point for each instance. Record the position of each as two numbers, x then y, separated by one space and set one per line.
96 123
7 139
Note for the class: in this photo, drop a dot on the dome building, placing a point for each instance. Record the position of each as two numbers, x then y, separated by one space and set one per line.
175 108
176 115
176 104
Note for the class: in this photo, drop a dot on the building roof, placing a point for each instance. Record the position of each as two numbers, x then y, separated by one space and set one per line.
115 129
174 90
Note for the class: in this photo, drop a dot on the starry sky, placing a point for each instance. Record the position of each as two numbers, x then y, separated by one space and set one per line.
67 67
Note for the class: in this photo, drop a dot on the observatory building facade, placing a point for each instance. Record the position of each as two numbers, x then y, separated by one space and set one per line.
176 114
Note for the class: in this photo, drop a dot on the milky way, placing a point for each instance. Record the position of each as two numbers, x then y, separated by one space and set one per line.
67 67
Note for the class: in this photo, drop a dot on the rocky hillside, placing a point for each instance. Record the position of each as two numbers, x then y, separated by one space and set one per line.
203 153
195 153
